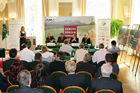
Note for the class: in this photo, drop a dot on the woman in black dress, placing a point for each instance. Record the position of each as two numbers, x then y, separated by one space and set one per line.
22 37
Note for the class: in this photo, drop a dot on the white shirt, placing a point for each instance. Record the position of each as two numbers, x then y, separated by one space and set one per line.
79 55
99 56
66 48
47 56
26 55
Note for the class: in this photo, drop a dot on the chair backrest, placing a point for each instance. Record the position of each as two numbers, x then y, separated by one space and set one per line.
31 71
73 89
87 75
6 72
56 75
105 91
114 76
12 88
47 89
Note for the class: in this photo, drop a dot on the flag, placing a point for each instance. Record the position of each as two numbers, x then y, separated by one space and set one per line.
4 31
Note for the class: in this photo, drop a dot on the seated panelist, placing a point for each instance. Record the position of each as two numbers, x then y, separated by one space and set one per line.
74 39
61 38
86 39
50 39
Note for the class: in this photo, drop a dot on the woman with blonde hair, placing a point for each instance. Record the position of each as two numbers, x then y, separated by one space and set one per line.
46 55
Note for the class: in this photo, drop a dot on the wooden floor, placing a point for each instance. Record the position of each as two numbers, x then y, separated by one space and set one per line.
131 83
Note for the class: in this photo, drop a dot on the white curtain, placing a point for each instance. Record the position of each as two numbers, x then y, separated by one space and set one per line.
98 8
135 18
33 19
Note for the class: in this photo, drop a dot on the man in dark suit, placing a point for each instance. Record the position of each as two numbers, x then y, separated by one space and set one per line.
106 82
72 79
37 60
74 39
58 64
6 64
50 39
86 66
24 79
61 38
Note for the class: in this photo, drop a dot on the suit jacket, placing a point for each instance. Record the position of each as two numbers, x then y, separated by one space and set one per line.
86 41
61 40
57 66
48 40
91 68
3 83
75 41
105 83
73 80
26 90
6 64
32 65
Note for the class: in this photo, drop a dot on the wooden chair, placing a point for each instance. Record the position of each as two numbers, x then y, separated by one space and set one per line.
105 91
47 89
12 88
56 75
6 72
31 71
87 75
73 89
114 76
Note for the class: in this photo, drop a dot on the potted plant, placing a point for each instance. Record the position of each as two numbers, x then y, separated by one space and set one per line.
116 25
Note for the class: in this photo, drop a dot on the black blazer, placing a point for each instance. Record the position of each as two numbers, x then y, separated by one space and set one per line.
27 90
48 40
3 83
74 41
59 40
73 80
57 66
105 83
86 41
91 68
6 64
32 65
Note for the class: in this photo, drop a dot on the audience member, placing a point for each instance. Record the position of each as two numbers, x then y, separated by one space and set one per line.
24 79
114 48
46 55
86 66
58 64
40 77
109 60
7 63
80 53
37 60
26 54
3 83
15 68
115 57
50 39
72 79
61 38
66 47
86 39
100 54
106 82
74 39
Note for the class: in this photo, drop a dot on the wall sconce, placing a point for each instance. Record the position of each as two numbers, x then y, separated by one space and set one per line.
12 16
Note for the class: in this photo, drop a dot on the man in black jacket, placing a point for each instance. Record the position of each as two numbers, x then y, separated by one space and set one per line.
105 82
58 64
61 38
6 64
24 79
72 79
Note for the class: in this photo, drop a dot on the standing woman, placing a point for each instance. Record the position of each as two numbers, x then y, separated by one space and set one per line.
22 37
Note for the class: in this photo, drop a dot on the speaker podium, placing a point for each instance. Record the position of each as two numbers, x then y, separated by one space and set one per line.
32 42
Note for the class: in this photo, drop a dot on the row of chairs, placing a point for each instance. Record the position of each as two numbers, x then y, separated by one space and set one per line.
69 89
